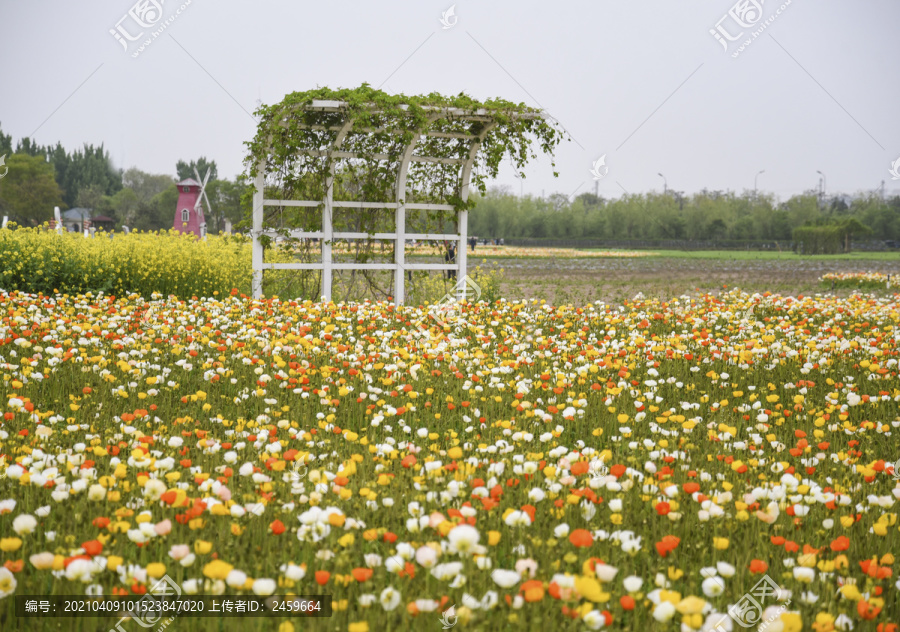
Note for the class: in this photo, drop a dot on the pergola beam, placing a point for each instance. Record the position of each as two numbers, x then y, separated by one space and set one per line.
318 153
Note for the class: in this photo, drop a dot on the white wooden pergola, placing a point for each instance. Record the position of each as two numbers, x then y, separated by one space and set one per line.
400 206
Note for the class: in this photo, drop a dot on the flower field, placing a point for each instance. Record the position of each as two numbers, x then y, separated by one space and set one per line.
861 280
628 467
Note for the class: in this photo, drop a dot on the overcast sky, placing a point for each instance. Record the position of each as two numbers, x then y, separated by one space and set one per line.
643 82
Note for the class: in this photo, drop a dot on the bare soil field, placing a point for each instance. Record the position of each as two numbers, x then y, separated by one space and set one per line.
613 280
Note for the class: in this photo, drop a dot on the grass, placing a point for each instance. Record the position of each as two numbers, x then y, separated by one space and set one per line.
754 255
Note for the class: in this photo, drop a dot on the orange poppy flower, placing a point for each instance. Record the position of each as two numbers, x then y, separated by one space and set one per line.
14 566
841 543
581 537
361 574
758 566
322 577
533 590
92 547
866 610
580 467
667 544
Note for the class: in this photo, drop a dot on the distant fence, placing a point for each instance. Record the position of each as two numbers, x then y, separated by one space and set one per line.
682 244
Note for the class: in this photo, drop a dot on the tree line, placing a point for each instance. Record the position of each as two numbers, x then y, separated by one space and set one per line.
38 178
708 216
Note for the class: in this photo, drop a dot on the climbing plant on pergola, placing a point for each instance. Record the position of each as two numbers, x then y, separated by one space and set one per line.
348 166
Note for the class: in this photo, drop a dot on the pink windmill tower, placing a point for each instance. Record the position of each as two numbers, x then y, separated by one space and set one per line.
189 216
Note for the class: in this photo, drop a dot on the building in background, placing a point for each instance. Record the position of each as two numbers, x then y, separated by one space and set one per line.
189 212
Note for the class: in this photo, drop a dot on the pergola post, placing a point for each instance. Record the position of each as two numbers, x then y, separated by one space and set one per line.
400 218
463 216
258 208
327 211
462 225
327 237
400 254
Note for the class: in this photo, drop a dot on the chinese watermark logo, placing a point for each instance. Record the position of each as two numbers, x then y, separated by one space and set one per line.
894 170
449 18
748 611
599 168
896 474
448 617
750 313
299 470
146 614
598 470
742 16
466 289
144 15
4 169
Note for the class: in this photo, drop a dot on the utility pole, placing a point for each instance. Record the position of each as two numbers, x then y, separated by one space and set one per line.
822 186
755 184
665 184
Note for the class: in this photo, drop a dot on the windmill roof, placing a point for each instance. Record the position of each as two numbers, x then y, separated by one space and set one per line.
189 182
77 213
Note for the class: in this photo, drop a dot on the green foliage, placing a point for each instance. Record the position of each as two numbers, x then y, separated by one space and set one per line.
5 144
296 142
289 128
83 168
29 191
651 217
818 240
829 239
489 280
88 167
146 185
185 170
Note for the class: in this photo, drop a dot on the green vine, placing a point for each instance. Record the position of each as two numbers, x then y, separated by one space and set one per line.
296 144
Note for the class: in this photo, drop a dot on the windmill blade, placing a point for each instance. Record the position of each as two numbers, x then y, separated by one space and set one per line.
202 195
208 205
203 190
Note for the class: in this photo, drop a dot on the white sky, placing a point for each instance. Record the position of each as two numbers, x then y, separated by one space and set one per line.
817 90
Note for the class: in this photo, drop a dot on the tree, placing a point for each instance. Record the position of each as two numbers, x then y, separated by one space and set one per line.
88 166
5 144
185 170
226 197
28 146
90 197
29 191
850 227
146 185
156 213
